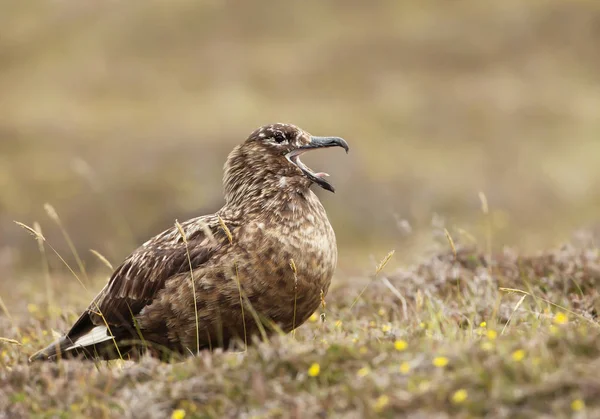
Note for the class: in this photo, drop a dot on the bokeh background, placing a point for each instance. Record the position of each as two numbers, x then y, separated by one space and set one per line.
121 114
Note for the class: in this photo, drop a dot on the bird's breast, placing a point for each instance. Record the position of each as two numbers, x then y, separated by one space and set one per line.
300 248
284 261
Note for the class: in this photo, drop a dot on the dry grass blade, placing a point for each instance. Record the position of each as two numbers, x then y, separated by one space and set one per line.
240 291
485 208
295 271
99 313
102 259
566 310
38 235
45 265
257 319
11 341
239 285
226 229
5 309
31 230
397 293
378 269
384 262
192 279
51 211
181 231
512 313
488 227
450 241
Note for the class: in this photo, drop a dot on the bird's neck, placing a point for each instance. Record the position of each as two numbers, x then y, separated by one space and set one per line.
272 197
254 185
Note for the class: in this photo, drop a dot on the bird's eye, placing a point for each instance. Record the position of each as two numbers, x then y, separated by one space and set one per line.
279 137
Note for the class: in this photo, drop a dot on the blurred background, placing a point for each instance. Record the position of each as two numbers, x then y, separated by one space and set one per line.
121 114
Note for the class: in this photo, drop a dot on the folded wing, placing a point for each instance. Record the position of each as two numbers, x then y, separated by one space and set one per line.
135 284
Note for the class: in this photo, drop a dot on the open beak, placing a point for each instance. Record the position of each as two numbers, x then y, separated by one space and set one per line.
315 143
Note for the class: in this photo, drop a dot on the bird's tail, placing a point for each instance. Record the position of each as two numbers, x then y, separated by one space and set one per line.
54 351
95 343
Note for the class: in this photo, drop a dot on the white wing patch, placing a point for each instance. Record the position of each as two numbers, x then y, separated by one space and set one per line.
96 335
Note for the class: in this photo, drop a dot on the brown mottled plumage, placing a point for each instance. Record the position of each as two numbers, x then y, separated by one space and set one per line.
270 218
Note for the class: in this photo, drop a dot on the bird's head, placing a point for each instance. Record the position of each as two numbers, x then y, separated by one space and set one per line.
271 156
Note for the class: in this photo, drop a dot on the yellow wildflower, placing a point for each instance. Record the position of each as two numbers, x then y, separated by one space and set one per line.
491 334
561 318
518 355
363 350
381 403
381 311
405 368
483 324
363 372
577 405
178 414
386 328
459 396
32 308
314 370
338 324
440 361
313 318
400 345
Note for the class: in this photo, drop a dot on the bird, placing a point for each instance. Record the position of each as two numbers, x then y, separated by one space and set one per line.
262 264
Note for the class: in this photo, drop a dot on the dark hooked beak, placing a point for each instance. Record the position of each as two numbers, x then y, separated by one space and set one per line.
324 142
315 143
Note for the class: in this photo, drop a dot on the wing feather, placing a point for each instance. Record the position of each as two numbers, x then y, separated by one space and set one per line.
145 272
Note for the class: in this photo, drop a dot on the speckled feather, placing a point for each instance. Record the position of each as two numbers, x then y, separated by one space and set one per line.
272 218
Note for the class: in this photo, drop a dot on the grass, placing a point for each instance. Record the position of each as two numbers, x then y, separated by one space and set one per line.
192 281
462 335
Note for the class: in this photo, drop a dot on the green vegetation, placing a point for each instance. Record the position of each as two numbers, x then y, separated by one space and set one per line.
459 334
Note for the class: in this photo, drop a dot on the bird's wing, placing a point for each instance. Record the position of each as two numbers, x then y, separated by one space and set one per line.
137 281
